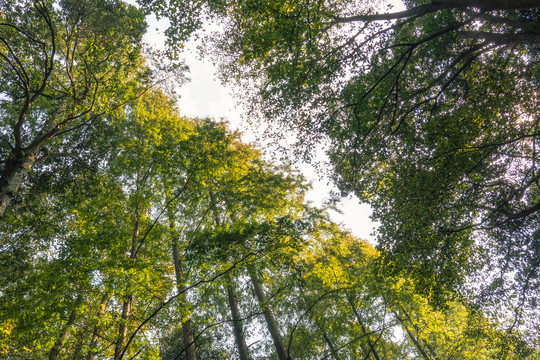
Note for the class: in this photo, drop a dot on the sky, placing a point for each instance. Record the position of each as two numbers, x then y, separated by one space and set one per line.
204 96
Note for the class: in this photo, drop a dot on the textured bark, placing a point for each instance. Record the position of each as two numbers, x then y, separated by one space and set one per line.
95 334
21 161
372 348
14 174
187 330
437 5
268 316
237 319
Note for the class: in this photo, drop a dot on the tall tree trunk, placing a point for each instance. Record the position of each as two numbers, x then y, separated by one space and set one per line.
97 328
372 348
128 302
237 319
412 337
333 350
187 330
269 317
122 330
55 350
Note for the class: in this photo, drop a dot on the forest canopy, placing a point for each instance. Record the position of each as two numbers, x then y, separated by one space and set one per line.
128 231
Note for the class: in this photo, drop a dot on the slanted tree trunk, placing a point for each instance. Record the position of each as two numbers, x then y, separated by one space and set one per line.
122 330
414 338
97 328
371 345
55 350
268 316
237 319
333 350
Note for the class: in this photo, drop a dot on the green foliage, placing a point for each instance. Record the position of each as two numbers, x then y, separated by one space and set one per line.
431 117
126 221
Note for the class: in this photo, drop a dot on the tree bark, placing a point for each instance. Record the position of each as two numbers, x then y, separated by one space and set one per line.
237 319
269 317
489 4
20 163
95 334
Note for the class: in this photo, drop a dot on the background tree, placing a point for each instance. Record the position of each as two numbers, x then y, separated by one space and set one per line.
63 64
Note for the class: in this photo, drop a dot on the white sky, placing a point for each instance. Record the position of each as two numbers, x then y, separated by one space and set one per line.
205 96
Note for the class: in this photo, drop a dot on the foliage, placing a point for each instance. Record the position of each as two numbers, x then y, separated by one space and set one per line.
124 226
429 114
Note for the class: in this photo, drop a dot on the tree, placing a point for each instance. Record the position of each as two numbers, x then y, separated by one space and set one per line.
64 65
431 116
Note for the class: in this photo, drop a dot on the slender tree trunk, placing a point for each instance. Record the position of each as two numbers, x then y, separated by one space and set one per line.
237 319
95 334
372 348
128 302
333 350
55 351
269 317
187 330
412 337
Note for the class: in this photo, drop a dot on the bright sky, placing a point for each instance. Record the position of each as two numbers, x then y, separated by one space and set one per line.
205 96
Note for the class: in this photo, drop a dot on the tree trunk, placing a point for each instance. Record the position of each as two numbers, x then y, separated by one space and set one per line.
15 171
237 319
413 338
20 162
95 334
187 330
372 349
128 302
55 351
333 350
122 330
269 317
